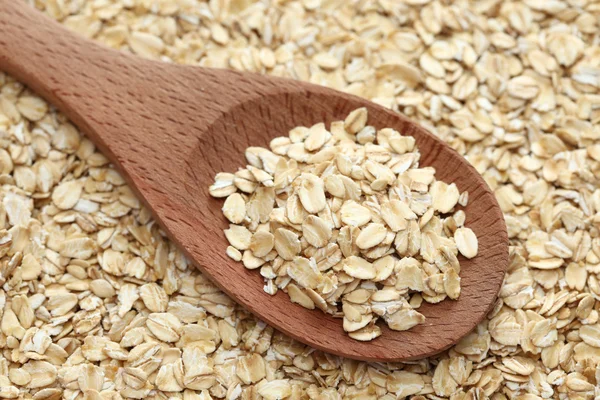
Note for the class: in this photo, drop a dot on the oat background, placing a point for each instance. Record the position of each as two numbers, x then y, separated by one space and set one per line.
96 303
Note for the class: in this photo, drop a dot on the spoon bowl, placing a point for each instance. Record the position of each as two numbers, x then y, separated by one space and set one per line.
169 129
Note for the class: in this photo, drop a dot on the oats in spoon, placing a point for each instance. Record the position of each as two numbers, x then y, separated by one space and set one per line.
346 221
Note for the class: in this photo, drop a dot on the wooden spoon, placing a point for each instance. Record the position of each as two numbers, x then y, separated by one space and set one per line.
170 128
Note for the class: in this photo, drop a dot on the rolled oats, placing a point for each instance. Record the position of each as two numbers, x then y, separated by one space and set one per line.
369 201
539 155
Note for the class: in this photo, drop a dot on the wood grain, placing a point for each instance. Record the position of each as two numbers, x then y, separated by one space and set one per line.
170 128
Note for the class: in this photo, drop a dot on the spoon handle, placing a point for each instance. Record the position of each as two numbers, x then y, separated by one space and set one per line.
78 76
52 61
120 101
102 91
115 98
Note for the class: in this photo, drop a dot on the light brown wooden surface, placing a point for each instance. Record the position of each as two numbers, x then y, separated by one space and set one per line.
170 128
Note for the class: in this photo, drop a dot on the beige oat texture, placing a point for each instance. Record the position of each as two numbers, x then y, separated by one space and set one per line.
540 156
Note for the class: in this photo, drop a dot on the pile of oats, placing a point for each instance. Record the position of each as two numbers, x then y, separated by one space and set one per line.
346 221
96 302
